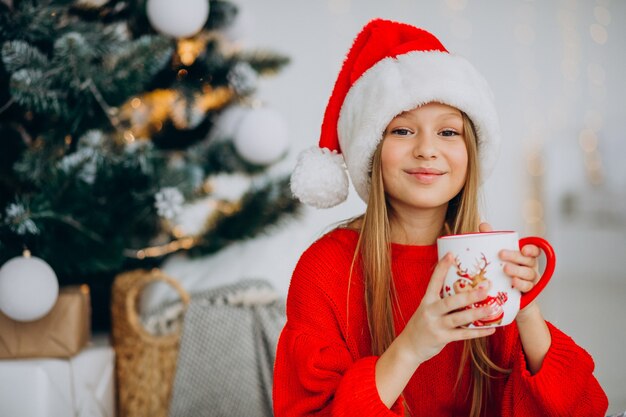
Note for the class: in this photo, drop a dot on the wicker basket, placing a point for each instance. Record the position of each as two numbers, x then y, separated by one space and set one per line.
145 364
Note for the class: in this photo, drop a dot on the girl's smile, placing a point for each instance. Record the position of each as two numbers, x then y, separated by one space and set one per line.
426 175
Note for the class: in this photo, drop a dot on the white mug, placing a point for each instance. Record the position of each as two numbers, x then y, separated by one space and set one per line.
477 264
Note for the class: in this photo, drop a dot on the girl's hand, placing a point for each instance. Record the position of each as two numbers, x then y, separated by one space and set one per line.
437 321
521 266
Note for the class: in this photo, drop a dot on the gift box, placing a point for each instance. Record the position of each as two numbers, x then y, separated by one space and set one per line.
81 386
61 333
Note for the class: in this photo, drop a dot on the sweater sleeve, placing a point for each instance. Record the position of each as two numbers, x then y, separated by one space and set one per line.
564 386
316 372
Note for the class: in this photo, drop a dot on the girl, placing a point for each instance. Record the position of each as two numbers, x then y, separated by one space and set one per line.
367 332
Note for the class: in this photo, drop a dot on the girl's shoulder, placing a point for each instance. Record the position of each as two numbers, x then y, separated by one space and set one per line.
342 238
332 250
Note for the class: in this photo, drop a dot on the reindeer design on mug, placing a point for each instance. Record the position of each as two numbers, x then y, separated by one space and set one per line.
478 279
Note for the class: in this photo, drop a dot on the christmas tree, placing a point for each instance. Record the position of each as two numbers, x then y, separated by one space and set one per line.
130 132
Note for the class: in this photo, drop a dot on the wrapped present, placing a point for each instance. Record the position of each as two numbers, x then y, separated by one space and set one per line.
81 386
61 333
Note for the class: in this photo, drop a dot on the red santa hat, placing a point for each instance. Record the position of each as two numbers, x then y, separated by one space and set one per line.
391 68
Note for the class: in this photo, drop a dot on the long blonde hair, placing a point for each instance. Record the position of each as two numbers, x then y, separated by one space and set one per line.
374 246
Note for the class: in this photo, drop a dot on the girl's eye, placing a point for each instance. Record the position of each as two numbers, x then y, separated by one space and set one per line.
448 132
401 131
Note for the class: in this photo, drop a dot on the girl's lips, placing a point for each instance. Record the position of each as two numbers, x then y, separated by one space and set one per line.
426 176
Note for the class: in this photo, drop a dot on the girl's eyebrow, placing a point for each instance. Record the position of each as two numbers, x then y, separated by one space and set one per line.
408 116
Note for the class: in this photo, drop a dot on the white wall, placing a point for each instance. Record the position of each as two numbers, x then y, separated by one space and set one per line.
551 80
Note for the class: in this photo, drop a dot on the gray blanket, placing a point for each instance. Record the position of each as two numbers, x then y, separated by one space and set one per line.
227 350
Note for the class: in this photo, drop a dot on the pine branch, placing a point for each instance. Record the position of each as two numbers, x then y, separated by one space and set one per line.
17 55
31 21
220 156
264 62
130 70
222 14
260 208
31 88
76 56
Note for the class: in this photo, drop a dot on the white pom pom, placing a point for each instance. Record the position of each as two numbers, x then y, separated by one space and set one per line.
319 178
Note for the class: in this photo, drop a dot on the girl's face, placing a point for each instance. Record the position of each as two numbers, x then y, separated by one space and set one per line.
424 157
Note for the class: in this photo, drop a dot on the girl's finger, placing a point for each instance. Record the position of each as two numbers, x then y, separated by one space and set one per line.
465 317
517 257
523 272
484 227
473 333
522 285
531 251
438 277
458 301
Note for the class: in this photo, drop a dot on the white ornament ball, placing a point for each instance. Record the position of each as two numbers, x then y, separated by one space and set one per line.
227 122
180 18
28 288
262 137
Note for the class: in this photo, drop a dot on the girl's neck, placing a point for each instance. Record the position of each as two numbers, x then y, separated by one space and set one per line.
417 227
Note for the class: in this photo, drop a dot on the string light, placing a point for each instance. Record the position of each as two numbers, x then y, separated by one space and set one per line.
588 139
128 136
135 103
182 240
189 49
185 243
530 78
598 33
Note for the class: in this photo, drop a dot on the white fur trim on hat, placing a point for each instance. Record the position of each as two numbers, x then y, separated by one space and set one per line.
395 85
319 178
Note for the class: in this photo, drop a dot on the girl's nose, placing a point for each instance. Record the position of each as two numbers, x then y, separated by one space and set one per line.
424 147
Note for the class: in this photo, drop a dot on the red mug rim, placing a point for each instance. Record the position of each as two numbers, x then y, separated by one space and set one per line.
493 232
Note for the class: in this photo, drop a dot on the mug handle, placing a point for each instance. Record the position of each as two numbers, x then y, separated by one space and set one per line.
547 273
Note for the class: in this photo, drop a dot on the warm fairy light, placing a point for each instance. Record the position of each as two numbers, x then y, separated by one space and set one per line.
182 73
214 98
135 103
535 165
595 169
189 49
184 243
533 210
68 139
588 140
207 186
155 107
598 33
178 232
26 253
128 135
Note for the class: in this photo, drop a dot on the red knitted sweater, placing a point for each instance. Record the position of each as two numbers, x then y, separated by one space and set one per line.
324 365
